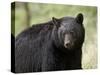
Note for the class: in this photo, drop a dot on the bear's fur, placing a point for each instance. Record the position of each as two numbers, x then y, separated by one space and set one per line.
51 46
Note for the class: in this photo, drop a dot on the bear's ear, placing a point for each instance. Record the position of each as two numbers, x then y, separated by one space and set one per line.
55 20
79 18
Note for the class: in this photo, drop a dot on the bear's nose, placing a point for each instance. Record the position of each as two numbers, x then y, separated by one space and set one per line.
67 44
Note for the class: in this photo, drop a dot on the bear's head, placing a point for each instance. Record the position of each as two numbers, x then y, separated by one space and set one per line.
70 31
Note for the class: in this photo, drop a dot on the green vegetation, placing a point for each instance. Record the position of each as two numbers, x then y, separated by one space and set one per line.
39 12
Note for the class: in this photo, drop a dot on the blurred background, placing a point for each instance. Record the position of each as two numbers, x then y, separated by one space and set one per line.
25 15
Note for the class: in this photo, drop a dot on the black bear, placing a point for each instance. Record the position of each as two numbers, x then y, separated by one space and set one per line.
51 46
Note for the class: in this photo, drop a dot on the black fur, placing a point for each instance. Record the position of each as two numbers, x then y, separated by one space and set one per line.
40 47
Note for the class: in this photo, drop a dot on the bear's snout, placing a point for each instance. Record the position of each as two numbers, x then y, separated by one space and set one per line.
67 42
